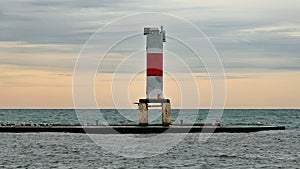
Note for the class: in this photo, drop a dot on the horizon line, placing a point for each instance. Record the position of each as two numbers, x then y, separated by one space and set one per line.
205 108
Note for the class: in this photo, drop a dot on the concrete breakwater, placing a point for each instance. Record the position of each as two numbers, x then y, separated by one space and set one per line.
133 129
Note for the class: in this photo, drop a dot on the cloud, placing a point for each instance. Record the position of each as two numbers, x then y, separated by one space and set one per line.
288 29
12 76
242 32
24 47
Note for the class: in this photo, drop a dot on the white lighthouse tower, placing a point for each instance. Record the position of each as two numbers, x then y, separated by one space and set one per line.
154 87
154 48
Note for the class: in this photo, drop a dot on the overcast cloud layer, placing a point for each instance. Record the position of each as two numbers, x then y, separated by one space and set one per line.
249 36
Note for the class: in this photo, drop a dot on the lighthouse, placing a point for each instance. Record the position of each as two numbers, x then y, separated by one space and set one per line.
154 50
155 38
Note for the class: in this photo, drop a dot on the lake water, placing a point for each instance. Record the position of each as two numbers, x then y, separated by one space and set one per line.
267 149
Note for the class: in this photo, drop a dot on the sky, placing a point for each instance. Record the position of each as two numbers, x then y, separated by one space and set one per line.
257 42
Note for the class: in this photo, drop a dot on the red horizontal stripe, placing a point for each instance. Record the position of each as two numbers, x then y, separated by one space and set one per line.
154 72
154 64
